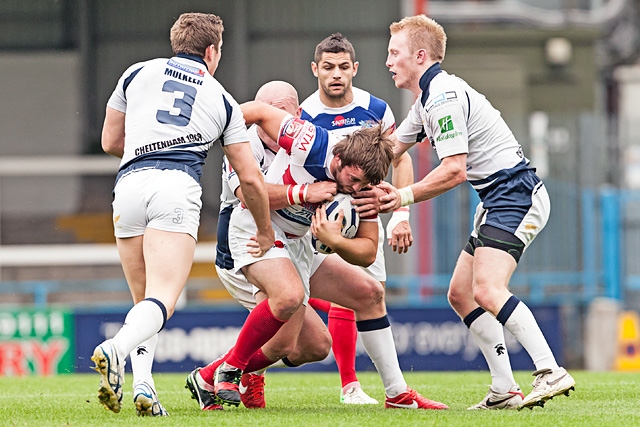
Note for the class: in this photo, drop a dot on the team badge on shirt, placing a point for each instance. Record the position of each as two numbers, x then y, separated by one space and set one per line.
293 128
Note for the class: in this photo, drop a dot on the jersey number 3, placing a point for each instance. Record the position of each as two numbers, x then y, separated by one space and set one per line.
184 97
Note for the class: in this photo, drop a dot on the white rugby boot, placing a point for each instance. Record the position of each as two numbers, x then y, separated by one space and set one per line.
548 384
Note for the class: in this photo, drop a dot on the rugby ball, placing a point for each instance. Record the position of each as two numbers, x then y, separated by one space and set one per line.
350 222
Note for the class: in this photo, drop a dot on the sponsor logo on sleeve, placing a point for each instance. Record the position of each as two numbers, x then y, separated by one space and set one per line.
446 124
305 137
293 128
447 130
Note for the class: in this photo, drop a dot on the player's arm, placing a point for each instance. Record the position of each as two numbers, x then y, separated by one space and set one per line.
399 148
451 172
256 198
282 196
269 118
368 202
361 250
399 235
113 132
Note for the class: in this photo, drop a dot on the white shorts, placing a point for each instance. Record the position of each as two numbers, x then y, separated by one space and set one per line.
242 227
376 270
164 199
238 287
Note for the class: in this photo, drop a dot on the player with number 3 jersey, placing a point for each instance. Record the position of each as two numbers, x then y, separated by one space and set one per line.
162 119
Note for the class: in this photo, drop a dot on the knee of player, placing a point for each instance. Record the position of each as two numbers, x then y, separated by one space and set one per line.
325 345
321 349
458 292
484 294
283 306
373 294
377 293
367 289
453 297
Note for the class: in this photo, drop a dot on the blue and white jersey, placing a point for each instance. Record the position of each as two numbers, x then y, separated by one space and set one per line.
457 119
228 200
174 111
364 111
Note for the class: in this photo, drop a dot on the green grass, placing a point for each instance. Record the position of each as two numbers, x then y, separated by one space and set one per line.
311 399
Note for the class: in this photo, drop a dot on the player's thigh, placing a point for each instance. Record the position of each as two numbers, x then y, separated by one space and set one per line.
283 271
168 258
492 267
277 277
342 283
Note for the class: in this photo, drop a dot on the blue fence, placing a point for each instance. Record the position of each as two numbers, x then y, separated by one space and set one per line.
587 250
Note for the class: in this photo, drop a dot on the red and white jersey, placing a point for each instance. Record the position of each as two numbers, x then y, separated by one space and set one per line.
175 110
305 158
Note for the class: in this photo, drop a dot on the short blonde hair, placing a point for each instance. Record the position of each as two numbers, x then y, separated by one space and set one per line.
193 32
423 33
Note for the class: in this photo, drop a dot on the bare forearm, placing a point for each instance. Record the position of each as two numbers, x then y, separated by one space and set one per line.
356 251
281 196
438 181
402 174
361 250
277 195
256 198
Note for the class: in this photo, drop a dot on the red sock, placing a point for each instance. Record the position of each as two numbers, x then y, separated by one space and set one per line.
320 304
342 327
207 372
261 325
258 361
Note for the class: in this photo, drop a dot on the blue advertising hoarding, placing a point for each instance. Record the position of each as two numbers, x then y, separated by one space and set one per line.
426 340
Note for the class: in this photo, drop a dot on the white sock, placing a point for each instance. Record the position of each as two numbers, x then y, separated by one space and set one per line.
143 321
487 332
142 360
525 329
278 364
382 351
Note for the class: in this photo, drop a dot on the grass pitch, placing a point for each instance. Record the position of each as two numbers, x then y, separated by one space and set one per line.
312 399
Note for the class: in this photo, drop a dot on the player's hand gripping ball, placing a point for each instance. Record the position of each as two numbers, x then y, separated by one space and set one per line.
350 222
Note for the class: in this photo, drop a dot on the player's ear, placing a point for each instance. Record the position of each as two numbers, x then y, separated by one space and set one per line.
421 56
314 69
355 68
